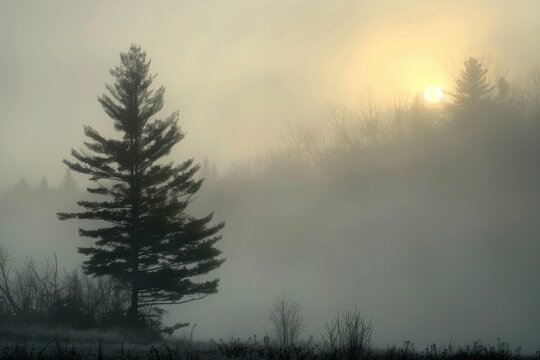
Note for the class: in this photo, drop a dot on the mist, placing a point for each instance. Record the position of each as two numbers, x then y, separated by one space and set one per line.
339 183
237 76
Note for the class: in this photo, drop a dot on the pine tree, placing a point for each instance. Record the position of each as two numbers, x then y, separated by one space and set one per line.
503 93
473 90
150 244
43 185
68 182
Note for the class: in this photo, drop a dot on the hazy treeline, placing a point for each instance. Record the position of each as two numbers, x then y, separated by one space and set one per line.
354 131
424 215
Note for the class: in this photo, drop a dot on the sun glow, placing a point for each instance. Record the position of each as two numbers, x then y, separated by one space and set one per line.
433 94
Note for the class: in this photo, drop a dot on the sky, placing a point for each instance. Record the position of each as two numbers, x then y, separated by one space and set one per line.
238 71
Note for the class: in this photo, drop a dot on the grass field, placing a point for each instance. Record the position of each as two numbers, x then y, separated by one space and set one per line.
35 342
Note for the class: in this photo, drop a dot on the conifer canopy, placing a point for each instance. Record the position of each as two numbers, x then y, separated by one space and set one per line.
149 242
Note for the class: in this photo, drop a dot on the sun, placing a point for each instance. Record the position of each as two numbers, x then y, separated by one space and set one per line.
433 94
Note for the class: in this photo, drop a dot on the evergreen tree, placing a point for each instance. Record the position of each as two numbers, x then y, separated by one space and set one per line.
150 244
68 182
43 189
473 90
504 91
43 185
22 185
205 167
209 171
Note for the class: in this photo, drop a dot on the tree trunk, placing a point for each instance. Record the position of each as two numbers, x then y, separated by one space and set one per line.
133 311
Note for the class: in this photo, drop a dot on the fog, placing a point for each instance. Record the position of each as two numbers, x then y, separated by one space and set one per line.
339 184
237 71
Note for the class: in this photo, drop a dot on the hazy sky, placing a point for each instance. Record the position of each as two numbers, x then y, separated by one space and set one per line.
237 70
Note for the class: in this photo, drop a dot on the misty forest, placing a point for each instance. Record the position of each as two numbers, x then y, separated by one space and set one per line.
318 181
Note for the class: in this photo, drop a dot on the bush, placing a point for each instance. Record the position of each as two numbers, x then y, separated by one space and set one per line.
286 317
35 293
347 336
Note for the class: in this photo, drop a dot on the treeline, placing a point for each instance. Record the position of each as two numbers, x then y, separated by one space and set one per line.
382 200
481 108
479 145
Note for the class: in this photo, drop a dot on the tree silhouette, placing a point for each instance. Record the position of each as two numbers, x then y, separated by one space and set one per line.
151 244
473 90
68 182
285 314
503 90
43 185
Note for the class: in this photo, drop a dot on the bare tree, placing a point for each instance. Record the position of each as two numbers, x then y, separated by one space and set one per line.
397 123
371 118
347 336
341 121
305 141
44 283
533 89
287 320
5 281
38 292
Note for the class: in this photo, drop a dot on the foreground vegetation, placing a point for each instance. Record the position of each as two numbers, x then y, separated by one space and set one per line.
348 335
41 343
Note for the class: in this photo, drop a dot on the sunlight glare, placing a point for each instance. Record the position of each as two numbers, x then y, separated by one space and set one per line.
433 94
